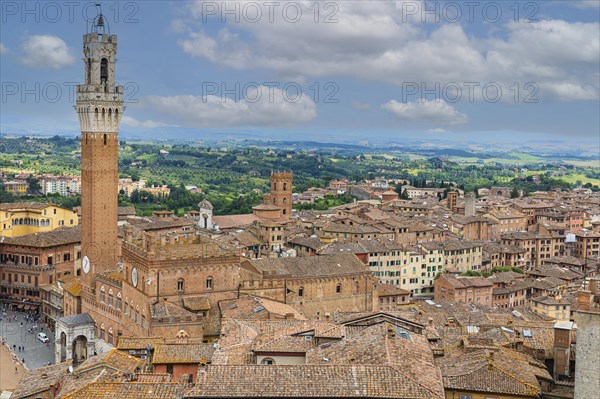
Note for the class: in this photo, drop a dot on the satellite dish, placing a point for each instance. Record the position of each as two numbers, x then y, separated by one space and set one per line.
70 369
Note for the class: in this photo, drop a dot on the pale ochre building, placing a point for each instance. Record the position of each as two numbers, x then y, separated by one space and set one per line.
20 218
556 308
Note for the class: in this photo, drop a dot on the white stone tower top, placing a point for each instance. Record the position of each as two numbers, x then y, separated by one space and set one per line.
99 100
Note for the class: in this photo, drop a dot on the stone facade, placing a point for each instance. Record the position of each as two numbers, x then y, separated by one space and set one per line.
464 289
587 368
315 286
31 261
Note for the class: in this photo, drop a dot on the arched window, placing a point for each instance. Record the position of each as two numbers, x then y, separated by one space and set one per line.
110 297
119 300
101 334
209 283
180 286
267 361
102 294
338 289
284 200
105 134
284 186
301 291
274 186
103 71
110 336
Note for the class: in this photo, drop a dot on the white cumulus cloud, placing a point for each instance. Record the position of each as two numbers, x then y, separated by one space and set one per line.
46 51
261 106
427 111
3 48
147 124
376 41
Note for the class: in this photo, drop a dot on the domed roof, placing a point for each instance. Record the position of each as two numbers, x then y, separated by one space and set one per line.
205 204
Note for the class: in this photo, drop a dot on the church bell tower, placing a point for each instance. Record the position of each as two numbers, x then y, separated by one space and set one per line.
99 107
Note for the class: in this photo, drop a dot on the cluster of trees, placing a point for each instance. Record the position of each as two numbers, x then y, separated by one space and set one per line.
181 201
496 269
328 202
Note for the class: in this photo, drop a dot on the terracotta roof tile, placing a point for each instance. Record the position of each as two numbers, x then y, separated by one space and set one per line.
129 390
153 377
249 307
138 343
301 381
305 266
39 380
196 303
182 353
60 236
502 372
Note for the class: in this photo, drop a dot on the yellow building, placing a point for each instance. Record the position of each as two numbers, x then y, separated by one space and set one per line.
158 191
556 308
20 218
16 187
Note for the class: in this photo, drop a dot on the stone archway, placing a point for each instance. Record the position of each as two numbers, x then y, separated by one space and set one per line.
79 349
75 338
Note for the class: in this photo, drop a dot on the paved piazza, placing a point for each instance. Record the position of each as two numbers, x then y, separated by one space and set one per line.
35 353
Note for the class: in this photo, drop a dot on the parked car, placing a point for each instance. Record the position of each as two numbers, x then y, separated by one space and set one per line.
43 337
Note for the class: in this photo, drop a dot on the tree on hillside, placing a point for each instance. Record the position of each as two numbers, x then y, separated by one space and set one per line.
33 185
514 193
400 188
5 196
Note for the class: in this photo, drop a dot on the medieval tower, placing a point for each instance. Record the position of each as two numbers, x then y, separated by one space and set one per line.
281 192
99 107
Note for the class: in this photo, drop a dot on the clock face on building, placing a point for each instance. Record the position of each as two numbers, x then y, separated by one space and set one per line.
134 276
85 264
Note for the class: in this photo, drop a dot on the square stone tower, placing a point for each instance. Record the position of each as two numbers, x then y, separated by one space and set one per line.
281 192
99 107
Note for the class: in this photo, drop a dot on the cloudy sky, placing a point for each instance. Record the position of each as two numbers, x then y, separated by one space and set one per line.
308 69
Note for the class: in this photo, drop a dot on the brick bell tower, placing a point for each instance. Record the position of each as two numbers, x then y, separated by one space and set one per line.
281 192
99 107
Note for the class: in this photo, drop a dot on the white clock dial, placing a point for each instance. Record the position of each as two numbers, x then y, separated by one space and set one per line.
85 264
134 276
